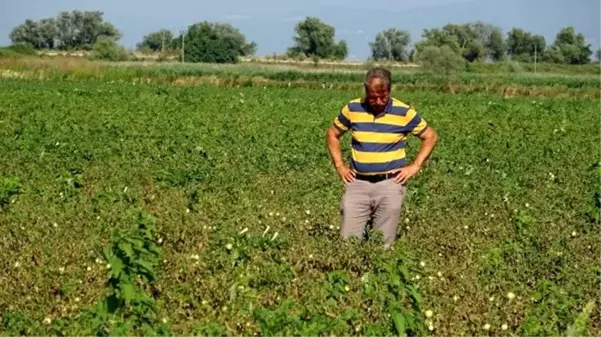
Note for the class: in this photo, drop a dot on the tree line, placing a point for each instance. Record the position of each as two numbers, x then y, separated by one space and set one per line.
66 31
222 43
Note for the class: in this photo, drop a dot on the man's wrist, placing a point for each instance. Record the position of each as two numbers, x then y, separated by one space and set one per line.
339 165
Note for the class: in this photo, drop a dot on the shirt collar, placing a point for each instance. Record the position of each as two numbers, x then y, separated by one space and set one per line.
389 105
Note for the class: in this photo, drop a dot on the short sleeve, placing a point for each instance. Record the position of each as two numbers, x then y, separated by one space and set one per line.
417 125
343 121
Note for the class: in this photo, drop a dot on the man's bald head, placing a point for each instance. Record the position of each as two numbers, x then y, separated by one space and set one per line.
383 75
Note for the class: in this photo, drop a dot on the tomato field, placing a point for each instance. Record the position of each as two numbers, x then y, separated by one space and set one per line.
130 208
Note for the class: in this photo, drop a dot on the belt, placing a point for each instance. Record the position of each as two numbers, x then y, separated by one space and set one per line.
374 178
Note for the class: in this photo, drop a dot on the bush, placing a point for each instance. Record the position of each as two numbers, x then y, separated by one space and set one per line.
23 49
17 50
107 49
5 52
441 59
514 67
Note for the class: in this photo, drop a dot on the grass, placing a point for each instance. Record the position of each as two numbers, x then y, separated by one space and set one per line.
217 210
547 84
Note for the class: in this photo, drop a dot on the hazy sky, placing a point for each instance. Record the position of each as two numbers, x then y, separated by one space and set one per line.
271 22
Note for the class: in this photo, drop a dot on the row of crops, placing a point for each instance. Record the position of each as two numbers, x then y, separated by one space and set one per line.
255 74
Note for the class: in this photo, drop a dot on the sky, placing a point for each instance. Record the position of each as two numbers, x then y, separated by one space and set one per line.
270 23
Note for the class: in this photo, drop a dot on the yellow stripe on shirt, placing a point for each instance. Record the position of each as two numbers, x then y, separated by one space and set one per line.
378 137
377 157
340 125
365 117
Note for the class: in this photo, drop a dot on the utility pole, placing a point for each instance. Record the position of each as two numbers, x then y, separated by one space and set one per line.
163 39
183 32
535 58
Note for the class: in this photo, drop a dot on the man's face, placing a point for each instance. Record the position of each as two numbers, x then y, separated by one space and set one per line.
377 95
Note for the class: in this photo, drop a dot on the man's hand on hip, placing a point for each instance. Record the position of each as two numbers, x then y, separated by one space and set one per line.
406 173
346 173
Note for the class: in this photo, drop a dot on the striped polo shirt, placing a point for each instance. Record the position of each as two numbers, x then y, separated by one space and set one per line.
378 142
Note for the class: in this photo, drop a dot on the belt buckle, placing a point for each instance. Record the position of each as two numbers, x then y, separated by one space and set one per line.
383 176
377 177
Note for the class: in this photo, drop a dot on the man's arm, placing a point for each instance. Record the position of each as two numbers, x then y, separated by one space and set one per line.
429 138
333 135
333 140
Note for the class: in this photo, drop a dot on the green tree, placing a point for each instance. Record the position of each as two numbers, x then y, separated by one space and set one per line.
81 30
553 55
228 32
491 38
39 35
155 41
391 44
412 55
69 30
249 49
474 50
49 33
464 33
215 43
340 50
437 37
522 45
496 45
316 38
176 43
598 55
474 40
572 46
442 59
108 49
27 33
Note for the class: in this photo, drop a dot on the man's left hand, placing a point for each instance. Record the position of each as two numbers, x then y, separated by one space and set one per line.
406 172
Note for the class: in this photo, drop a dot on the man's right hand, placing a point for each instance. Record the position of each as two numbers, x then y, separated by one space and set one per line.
346 173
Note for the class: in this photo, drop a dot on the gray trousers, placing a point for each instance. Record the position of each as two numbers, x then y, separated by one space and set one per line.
382 201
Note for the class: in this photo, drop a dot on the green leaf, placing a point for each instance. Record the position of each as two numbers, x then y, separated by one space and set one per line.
100 253
127 291
146 265
399 323
126 248
404 271
580 325
116 265
107 253
233 292
137 242
146 301
121 329
415 295
154 249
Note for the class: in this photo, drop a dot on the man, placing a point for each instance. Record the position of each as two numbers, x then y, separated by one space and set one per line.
375 181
